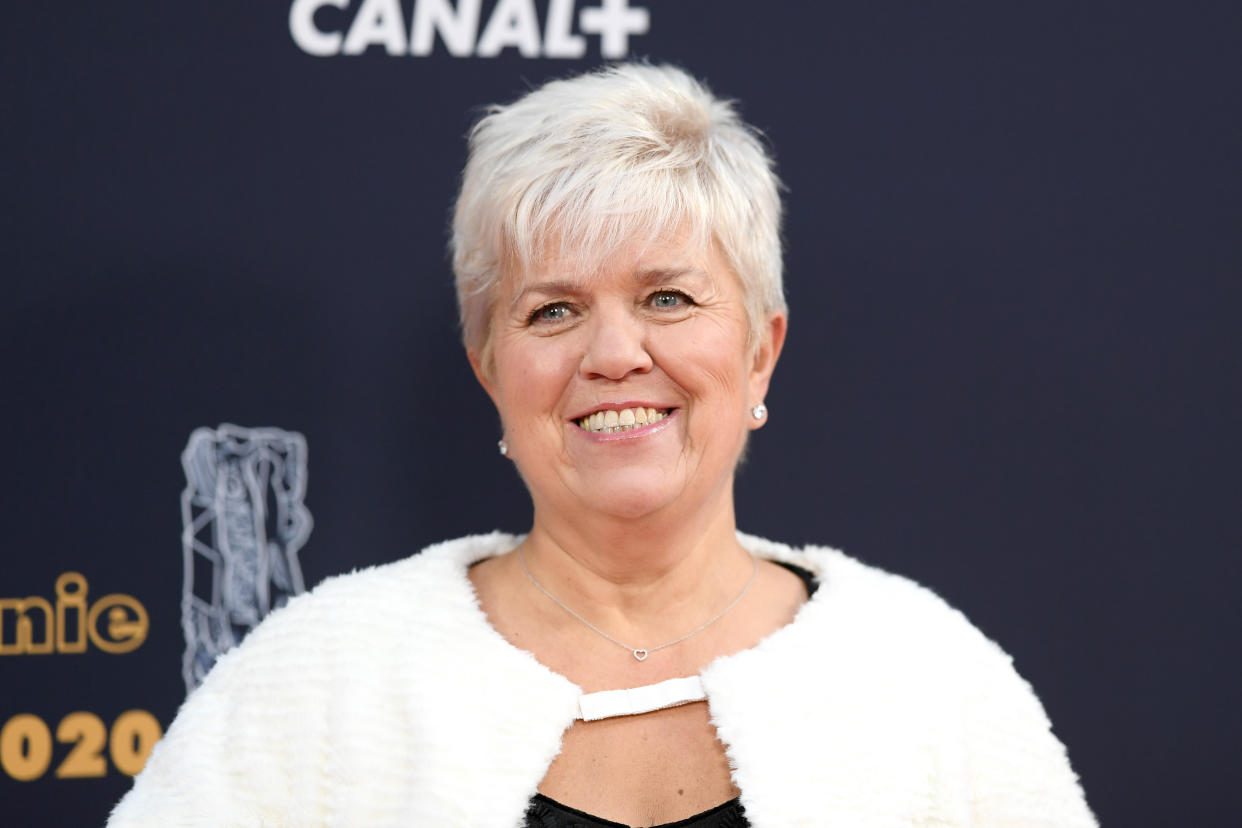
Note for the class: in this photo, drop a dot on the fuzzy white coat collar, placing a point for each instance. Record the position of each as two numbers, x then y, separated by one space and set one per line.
385 698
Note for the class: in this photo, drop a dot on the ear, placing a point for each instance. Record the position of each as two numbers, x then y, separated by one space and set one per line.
771 341
481 374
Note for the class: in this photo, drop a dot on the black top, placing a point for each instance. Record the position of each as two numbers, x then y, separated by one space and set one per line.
808 577
548 813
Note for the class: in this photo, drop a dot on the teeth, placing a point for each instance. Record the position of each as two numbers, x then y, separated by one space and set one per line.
609 422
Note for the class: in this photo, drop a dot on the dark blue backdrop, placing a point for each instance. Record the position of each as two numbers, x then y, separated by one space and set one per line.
1012 372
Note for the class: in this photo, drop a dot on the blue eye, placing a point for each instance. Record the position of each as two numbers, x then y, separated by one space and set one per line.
554 312
669 299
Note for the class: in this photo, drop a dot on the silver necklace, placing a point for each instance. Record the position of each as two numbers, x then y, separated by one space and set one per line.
641 653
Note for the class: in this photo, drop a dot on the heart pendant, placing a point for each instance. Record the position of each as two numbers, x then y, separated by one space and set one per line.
641 655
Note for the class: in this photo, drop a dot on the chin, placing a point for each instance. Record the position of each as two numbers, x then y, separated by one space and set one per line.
633 501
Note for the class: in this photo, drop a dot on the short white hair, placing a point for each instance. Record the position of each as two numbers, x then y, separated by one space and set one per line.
591 163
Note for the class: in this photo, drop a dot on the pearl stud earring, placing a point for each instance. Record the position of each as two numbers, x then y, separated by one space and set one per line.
759 411
503 448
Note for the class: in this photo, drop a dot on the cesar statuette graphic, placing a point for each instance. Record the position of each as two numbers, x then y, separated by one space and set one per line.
243 522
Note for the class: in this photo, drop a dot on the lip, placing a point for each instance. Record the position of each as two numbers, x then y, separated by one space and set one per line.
631 434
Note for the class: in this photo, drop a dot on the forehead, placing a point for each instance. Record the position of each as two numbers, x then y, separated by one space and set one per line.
638 263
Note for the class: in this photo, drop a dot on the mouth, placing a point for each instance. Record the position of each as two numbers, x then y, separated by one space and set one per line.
614 420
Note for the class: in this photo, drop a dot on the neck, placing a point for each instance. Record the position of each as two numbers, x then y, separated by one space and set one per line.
643 570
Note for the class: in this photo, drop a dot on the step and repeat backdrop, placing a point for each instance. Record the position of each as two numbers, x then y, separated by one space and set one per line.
230 365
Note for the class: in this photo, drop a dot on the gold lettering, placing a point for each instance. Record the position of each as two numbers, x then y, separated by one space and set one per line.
25 747
134 733
71 599
24 632
124 634
74 621
87 734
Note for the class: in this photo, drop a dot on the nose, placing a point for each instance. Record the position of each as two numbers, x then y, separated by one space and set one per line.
616 345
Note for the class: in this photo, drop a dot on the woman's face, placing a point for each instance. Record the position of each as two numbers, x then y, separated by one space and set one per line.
630 392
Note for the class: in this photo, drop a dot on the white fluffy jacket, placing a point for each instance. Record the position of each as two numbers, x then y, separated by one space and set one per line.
385 698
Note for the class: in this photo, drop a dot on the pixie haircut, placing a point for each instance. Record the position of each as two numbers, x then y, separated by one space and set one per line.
580 167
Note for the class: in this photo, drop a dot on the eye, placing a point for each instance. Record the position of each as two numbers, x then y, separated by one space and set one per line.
551 312
669 299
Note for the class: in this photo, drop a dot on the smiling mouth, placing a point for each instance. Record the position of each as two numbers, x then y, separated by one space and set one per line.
627 419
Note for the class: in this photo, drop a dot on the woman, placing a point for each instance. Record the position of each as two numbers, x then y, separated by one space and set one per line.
632 659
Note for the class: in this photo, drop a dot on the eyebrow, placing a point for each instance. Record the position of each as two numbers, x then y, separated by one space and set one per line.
553 288
651 276
668 274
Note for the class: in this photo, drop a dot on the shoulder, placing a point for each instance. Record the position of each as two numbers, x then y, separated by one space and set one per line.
879 658
311 694
399 587
440 563
892 630
377 607
331 644
881 610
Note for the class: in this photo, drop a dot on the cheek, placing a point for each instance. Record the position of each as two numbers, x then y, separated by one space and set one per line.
708 361
717 425
531 379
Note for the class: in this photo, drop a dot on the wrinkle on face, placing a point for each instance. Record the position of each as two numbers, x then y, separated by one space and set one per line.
697 358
